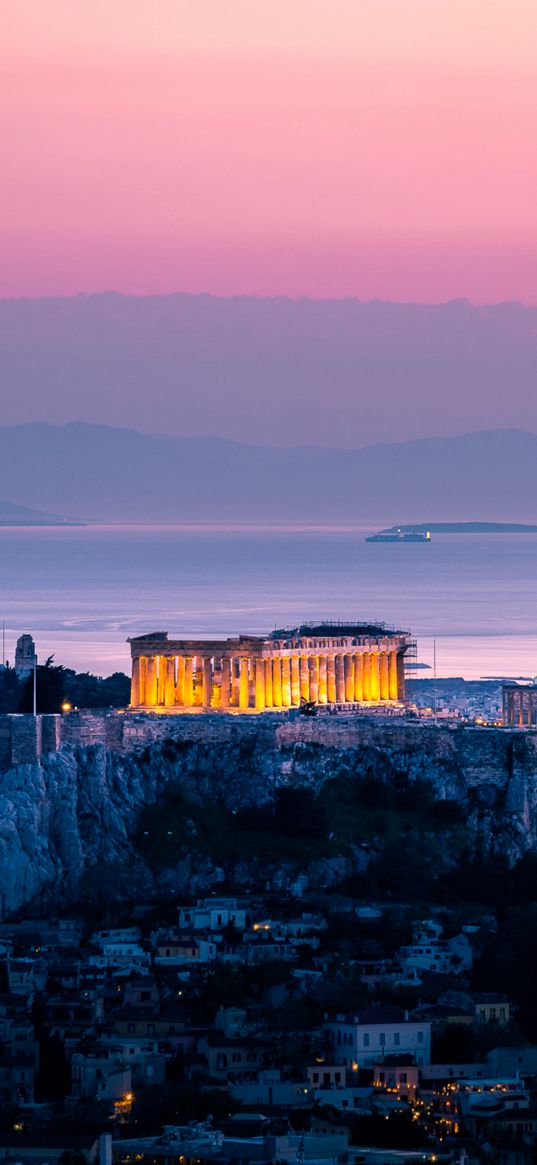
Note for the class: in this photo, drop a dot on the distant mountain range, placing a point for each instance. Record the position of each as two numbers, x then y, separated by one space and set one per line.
13 515
96 472
270 371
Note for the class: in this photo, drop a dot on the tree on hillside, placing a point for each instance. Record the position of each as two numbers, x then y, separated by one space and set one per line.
10 690
49 681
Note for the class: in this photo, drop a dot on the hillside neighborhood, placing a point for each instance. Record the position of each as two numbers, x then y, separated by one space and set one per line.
257 1028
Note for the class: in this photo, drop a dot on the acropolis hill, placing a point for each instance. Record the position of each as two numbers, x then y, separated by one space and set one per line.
74 790
217 725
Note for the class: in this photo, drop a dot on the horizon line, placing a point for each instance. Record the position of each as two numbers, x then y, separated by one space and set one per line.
111 292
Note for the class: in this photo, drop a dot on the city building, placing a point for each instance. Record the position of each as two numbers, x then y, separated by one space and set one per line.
211 914
364 1040
325 663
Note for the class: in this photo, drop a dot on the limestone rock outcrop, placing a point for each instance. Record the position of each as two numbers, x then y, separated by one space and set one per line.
78 809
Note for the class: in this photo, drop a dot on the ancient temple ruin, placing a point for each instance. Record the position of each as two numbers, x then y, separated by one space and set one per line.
326 663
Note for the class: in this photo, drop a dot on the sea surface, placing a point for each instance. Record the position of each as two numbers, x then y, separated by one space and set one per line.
81 591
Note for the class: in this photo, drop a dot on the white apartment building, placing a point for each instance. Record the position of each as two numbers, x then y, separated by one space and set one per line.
212 914
364 1039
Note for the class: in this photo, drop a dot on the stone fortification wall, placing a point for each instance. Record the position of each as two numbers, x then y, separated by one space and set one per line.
85 728
479 751
486 756
25 739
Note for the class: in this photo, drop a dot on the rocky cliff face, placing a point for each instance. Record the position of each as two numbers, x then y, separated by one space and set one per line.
77 811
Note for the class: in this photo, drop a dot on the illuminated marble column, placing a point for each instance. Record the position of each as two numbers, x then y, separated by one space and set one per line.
225 685
400 675
304 678
216 693
189 682
197 686
235 681
384 678
269 699
161 682
180 682
295 681
286 681
375 679
151 682
277 682
135 682
520 710
207 681
367 675
313 665
169 682
143 679
260 685
359 677
331 678
340 680
323 679
349 678
244 684
392 667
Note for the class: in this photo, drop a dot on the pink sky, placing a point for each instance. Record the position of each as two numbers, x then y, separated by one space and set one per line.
376 148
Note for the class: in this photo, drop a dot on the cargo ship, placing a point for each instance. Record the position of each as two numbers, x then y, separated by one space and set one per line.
398 535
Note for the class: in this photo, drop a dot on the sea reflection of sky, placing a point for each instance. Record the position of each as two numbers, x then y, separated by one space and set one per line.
82 591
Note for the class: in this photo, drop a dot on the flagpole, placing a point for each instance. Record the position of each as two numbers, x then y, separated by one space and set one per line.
434 673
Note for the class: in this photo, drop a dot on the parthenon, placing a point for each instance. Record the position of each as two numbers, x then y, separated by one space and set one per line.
326 663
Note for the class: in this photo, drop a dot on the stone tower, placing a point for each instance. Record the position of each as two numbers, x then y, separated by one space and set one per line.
24 655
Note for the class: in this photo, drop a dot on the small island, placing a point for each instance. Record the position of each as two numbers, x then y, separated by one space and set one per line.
464 528
15 515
